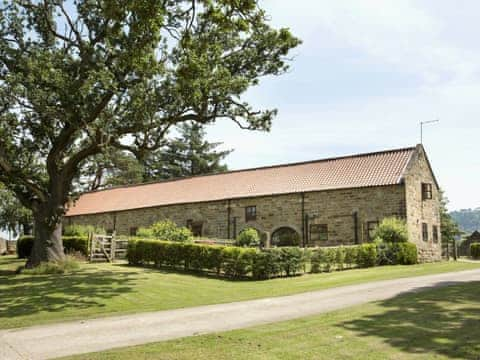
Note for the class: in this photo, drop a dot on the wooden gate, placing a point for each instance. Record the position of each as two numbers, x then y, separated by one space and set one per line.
105 248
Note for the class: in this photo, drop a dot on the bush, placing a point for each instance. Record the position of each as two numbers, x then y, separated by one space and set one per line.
392 230
24 246
70 244
351 254
237 261
340 257
233 262
316 261
249 237
144 233
405 253
82 230
67 265
396 253
367 255
323 259
169 231
291 260
475 250
266 264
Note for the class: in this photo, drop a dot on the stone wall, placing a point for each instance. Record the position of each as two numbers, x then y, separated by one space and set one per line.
334 208
422 211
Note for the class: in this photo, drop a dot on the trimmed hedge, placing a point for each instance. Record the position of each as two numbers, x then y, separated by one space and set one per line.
396 254
339 258
475 250
230 261
237 262
70 243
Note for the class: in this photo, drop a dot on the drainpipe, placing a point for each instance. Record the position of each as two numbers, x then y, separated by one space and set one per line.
303 219
229 212
305 222
355 222
234 227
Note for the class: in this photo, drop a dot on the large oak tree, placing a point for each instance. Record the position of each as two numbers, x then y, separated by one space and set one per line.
79 77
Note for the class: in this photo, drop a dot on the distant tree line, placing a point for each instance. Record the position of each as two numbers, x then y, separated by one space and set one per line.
468 219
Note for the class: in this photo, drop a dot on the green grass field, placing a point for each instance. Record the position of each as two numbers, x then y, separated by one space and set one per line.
104 289
442 323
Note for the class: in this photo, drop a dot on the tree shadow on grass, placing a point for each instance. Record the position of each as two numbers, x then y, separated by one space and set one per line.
25 295
195 273
443 321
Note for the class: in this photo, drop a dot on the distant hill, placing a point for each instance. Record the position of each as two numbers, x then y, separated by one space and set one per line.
468 219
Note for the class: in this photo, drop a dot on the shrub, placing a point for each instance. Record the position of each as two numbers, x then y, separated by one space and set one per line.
249 237
367 255
82 230
233 262
392 230
144 233
67 265
340 255
323 259
266 264
316 261
405 253
396 253
237 261
385 253
475 250
24 246
351 254
169 231
291 260
70 244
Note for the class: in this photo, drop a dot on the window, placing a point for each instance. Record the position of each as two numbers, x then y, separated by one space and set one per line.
189 224
425 232
426 191
133 231
435 233
371 227
250 213
318 234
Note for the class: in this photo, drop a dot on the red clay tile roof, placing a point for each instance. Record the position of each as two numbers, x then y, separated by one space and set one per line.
364 170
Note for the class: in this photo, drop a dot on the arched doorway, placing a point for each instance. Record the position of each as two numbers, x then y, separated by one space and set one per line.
285 236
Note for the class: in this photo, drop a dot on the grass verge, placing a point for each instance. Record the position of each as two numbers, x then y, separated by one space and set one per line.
434 324
105 290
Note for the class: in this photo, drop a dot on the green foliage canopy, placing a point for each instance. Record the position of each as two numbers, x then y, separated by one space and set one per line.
392 230
77 79
248 237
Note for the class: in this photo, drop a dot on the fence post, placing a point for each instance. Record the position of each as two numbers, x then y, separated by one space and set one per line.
90 243
112 247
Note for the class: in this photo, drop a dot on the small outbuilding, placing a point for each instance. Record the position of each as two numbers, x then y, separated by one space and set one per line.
464 248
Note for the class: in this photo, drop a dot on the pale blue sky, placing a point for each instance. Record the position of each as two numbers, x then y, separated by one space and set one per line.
366 74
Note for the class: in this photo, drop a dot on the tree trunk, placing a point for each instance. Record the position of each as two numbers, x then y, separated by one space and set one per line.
47 244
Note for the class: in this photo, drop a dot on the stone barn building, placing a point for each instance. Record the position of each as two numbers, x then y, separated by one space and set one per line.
319 203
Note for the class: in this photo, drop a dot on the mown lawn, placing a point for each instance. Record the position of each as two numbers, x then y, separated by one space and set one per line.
104 289
442 323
